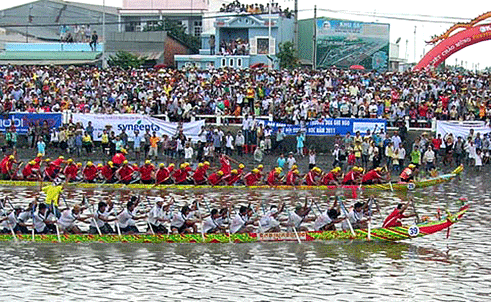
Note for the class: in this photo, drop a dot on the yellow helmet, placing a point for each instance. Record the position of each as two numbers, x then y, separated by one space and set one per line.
47 160
110 163
220 172
61 157
147 162
355 168
234 171
295 171
241 166
99 165
79 164
200 165
317 169
278 169
186 164
182 166
411 166
69 160
39 155
378 169
294 167
125 162
123 151
260 167
360 169
32 163
11 157
172 165
89 163
338 169
161 165
206 163
255 170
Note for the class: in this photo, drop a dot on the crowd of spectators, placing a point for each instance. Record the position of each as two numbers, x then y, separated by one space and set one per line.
234 47
75 34
290 96
237 7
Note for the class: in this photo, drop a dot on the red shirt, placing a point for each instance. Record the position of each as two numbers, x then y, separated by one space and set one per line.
371 175
146 171
38 163
50 170
251 179
125 173
272 178
6 166
161 175
57 162
27 171
180 175
394 219
118 158
90 173
437 142
200 175
349 177
71 171
310 178
226 167
290 178
328 179
231 179
214 179
107 172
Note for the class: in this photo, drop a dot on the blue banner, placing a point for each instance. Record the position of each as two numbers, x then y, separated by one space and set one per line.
331 127
22 121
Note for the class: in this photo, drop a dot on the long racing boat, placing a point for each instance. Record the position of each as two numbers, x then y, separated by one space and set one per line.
375 234
378 187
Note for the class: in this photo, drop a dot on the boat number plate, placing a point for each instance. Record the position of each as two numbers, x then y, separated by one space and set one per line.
411 186
413 231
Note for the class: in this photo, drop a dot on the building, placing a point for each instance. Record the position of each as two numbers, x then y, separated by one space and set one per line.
241 41
344 43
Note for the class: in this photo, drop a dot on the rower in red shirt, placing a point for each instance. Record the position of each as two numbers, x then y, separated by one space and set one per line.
331 178
274 176
162 176
199 176
232 178
394 219
107 172
146 172
226 167
70 170
252 178
181 175
353 177
124 173
408 173
311 175
37 160
373 176
6 167
49 171
60 160
215 178
90 172
292 178
28 171
119 157
240 170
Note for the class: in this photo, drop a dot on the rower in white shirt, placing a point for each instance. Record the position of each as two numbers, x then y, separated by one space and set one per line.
242 222
44 221
159 215
182 223
69 217
127 218
356 217
211 223
269 223
101 217
326 220
299 216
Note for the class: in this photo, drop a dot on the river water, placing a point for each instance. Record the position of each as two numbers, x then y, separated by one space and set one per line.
432 268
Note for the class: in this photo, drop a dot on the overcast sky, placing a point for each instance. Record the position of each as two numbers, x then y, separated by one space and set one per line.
478 53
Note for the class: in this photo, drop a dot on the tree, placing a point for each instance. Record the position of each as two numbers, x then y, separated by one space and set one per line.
287 56
126 60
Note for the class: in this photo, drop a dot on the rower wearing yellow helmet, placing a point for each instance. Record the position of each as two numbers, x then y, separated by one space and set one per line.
147 171
181 176
252 178
70 170
232 178
274 176
331 178
29 173
6 167
124 173
408 173
374 176
199 176
163 174
215 178
90 172
353 177
310 177
293 178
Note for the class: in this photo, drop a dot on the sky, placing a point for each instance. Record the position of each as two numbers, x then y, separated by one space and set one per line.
414 9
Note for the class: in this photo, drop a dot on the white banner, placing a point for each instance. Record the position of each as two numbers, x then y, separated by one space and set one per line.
132 122
463 128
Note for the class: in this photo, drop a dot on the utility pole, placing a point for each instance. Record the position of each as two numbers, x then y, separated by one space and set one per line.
314 46
270 62
415 43
104 65
295 30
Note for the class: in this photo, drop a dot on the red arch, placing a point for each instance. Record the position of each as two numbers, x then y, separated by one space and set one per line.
451 45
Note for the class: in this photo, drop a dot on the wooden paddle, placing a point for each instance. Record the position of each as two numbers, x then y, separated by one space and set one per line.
84 200
294 228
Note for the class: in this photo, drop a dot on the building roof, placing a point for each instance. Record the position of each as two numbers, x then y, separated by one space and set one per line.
49 55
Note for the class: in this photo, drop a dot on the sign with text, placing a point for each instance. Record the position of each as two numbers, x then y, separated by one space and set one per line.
22 120
331 127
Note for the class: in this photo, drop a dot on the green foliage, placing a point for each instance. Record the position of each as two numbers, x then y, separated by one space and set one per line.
126 60
177 31
287 56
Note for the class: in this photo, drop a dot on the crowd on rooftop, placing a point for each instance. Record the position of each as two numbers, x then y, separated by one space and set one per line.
290 96
237 7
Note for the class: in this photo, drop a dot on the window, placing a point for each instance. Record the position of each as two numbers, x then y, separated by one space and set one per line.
198 28
239 62
224 62
231 63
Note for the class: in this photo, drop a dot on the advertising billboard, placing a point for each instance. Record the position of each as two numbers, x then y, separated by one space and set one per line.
346 44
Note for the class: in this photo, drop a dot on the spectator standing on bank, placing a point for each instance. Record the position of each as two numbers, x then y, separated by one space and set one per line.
290 160
416 156
154 146
11 137
90 130
280 136
146 142
41 145
229 144
281 161
429 159
311 159
335 155
300 143
137 141
239 143
188 153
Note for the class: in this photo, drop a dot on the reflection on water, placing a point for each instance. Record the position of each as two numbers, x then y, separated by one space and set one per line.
426 269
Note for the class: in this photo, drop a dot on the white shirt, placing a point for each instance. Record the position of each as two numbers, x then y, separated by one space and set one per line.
209 224
321 221
188 153
178 220
67 219
39 219
290 161
229 139
10 222
237 223
268 222
429 156
354 217
294 219
100 223
125 218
